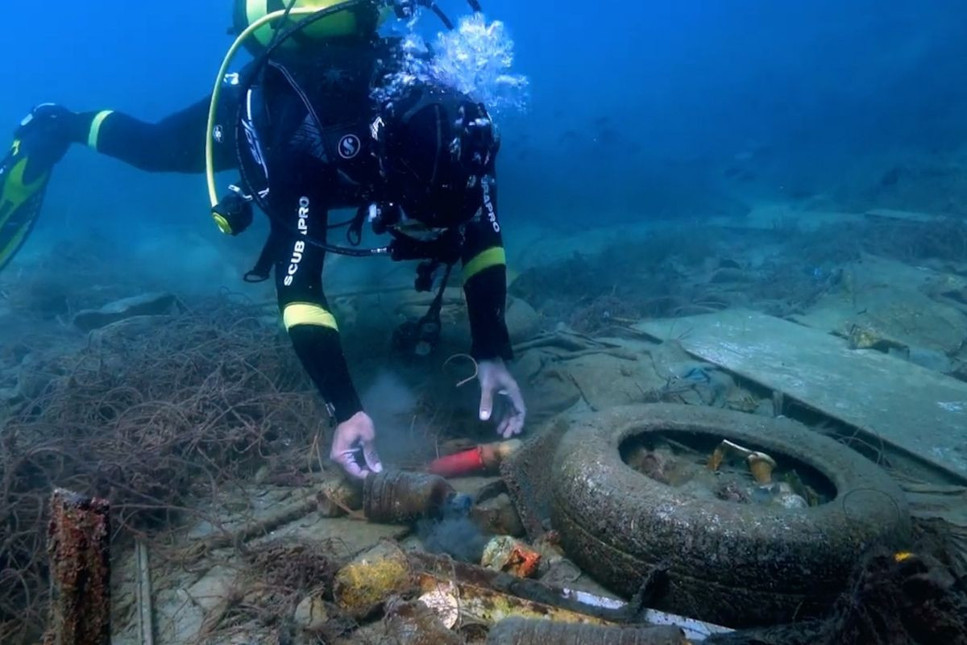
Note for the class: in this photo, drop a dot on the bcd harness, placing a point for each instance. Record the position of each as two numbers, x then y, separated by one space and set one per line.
233 213
347 143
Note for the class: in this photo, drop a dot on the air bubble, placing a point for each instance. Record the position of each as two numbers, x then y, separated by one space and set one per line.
474 58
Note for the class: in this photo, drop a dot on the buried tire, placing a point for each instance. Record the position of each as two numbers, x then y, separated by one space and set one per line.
734 564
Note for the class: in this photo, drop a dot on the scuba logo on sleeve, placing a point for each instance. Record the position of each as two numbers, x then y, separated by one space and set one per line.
303 215
298 249
489 205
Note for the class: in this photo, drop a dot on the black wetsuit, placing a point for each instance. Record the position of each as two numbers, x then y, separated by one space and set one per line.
304 184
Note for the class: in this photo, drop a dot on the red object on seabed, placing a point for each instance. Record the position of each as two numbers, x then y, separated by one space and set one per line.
467 462
459 463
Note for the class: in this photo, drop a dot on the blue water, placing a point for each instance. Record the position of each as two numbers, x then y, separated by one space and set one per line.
636 109
612 112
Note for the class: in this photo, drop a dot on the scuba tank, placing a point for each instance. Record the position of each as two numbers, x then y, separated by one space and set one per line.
364 18
359 20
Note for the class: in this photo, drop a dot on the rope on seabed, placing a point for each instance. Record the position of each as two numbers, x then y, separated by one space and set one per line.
869 489
476 368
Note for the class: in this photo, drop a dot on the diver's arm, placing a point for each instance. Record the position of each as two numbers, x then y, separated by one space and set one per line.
315 337
309 322
174 144
485 286
485 278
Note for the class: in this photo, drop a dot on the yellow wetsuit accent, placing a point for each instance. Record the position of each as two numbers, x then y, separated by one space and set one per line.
494 256
302 313
95 130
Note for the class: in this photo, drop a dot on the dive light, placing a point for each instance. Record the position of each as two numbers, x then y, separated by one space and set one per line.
233 213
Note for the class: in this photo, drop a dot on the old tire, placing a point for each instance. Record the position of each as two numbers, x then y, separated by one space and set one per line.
734 564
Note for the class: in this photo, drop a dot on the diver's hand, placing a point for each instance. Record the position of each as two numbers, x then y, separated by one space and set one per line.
355 434
495 379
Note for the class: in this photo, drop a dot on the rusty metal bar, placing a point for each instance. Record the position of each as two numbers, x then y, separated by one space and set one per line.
145 605
78 548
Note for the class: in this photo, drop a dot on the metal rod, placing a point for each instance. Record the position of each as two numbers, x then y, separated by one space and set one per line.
145 607
78 547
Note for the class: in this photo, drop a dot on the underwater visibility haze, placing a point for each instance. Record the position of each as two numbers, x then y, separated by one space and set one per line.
634 112
750 212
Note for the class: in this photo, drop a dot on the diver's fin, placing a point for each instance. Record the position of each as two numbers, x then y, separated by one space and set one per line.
23 182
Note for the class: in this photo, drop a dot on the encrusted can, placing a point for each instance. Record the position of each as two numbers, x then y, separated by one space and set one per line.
400 497
504 553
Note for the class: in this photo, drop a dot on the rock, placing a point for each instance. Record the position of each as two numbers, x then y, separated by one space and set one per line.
116 337
38 371
547 387
792 501
337 494
561 573
414 623
371 578
661 464
148 304
523 322
215 588
413 305
730 276
312 614
931 359
868 337
504 553
498 515
262 474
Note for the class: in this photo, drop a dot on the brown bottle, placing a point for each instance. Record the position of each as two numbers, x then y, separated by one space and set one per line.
400 497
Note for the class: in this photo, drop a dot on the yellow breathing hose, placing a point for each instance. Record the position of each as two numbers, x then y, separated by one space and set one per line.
219 80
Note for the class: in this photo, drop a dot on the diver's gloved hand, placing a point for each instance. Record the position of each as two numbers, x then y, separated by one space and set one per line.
496 379
354 435
47 132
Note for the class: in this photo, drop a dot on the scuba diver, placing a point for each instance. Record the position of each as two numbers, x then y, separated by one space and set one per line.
314 124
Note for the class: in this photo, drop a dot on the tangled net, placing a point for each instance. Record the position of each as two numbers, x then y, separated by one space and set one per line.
156 412
276 579
902 598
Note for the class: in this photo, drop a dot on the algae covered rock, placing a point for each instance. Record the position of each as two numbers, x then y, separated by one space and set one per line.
364 584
